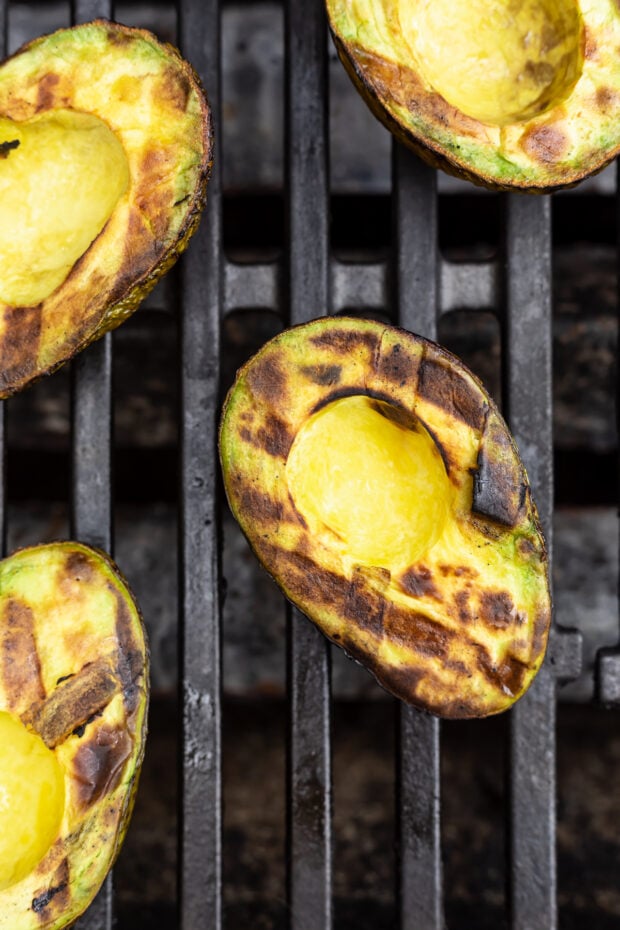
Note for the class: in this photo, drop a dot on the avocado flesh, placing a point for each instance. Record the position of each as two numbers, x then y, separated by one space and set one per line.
139 182
32 797
73 683
59 184
438 587
511 96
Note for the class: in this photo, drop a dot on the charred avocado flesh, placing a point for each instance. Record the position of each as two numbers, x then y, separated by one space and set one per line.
513 94
73 704
377 482
105 150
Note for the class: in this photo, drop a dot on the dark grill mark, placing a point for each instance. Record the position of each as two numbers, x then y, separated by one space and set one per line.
396 365
445 387
499 488
497 609
545 144
42 901
345 341
21 667
274 437
19 344
49 904
268 382
174 88
322 374
417 632
130 656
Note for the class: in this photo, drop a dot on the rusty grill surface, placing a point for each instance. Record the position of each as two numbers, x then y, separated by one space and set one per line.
419 285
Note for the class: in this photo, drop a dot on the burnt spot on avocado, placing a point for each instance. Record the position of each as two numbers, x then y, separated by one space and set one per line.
417 632
419 582
506 675
47 88
98 763
499 485
130 666
273 437
7 147
345 341
78 567
19 343
445 387
74 702
268 382
395 365
175 89
20 663
497 609
51 901
545 144
323 375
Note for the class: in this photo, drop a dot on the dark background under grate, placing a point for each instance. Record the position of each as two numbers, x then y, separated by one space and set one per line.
392 820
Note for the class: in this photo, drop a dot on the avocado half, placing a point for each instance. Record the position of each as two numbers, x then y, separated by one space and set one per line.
512 95
105 152
378 484
73 708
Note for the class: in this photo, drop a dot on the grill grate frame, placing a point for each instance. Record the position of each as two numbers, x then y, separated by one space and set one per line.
421 286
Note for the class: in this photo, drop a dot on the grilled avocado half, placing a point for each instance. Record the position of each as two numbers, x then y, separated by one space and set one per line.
378 484
105 151
511 94
73 705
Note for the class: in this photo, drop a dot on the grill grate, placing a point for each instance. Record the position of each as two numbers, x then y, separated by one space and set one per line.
421 285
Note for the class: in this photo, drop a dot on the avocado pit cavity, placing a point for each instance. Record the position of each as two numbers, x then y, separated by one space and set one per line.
61 177
32 800
500 63
370 475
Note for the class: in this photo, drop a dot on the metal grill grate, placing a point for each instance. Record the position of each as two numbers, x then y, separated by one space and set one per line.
420 285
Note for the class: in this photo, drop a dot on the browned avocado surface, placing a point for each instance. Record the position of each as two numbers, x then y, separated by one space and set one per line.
74 670
516 96
461 628
97 109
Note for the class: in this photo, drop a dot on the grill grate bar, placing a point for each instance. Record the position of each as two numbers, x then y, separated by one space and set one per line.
527 363
200 841
91 517
416 280
309 839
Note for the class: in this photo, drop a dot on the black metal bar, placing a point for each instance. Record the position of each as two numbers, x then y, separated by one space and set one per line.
419 877
92 475
200 840
309 840
528 404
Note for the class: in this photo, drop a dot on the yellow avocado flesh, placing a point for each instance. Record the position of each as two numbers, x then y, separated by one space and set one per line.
501 62
371 476
61 176
32 800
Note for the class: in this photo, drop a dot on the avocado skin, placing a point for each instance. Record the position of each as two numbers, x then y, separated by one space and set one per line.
462 632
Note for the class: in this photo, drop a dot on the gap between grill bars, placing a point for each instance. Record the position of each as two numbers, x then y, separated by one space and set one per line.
418 285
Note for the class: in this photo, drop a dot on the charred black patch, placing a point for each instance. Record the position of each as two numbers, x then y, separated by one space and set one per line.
499 490
268 381
20 664
57 895
497 609
458 571
46 91
19 344
345 341
6 147
362 605
99 763
260 508
274 437
419 583
417 632
324 375
396 366
445 387
130 665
